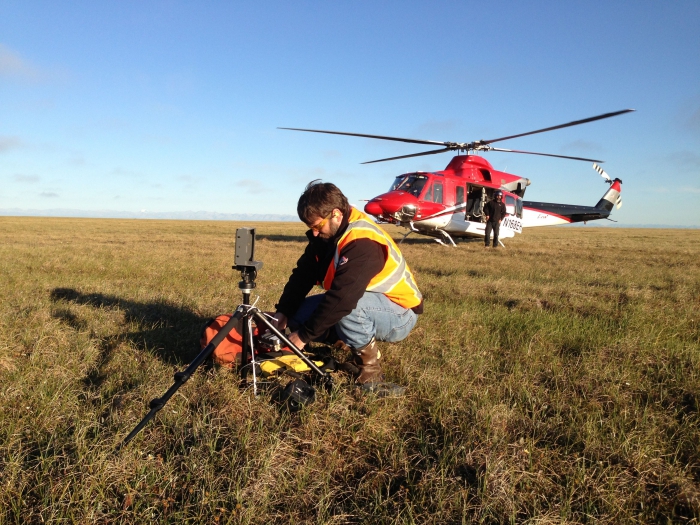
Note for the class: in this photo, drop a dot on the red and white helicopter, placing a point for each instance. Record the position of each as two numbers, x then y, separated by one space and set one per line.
449 203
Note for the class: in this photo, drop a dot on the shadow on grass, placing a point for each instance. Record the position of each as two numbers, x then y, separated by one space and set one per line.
428 239
169 332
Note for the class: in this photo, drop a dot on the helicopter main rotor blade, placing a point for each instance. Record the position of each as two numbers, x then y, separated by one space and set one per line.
382 137
481 145
568 124
431 152
544 154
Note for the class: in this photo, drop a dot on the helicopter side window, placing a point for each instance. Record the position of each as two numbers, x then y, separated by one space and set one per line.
510 205
459 198
429 194
437 192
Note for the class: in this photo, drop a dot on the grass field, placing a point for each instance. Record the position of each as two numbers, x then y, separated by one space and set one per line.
554 381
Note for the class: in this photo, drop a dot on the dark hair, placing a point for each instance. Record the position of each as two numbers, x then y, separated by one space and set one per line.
319 200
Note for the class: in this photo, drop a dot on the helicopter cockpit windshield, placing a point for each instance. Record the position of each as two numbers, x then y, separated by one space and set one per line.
411 183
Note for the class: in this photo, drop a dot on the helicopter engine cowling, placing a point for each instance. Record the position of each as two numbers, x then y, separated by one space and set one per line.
517 186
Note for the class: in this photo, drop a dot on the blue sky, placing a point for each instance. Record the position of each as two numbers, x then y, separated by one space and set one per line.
173 106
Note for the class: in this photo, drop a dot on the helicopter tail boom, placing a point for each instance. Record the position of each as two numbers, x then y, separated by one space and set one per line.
549 214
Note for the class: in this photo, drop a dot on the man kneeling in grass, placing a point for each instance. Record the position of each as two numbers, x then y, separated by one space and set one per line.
371 293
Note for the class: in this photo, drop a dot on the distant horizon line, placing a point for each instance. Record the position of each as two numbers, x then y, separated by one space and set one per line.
145 214
218 216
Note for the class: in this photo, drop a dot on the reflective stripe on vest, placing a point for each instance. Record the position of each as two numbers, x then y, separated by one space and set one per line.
395 280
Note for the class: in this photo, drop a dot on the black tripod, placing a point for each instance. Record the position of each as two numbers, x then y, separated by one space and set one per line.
242 321
250 313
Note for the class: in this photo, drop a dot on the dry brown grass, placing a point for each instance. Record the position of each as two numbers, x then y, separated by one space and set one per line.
554 381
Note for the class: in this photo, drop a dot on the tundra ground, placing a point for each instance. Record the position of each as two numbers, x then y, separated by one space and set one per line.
554 381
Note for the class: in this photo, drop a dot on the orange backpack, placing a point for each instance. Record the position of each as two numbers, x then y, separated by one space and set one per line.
228 353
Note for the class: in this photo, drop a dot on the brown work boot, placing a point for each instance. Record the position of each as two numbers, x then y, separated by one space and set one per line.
366 359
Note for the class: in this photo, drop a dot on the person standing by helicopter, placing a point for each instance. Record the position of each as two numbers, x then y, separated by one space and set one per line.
370 292
494 210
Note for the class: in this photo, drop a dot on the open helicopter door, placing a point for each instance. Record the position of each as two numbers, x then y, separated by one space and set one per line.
475 202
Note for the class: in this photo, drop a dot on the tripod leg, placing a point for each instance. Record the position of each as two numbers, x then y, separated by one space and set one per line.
252 356
182 377
246 347
261 319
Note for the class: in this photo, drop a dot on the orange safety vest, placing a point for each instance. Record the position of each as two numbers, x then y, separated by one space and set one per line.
395 280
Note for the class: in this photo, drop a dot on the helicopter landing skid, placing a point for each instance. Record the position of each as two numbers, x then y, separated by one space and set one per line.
443 233
404 237
411 229
447 237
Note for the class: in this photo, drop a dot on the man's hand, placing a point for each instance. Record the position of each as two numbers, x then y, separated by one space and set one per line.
280 321
294 338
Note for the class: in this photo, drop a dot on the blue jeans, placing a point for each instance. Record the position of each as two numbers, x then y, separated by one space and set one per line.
374 316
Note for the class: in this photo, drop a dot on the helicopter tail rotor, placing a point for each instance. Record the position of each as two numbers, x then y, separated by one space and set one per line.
602 173
612 198
618 200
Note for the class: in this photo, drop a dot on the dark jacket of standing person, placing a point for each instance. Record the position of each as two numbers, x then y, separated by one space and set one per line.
495 210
